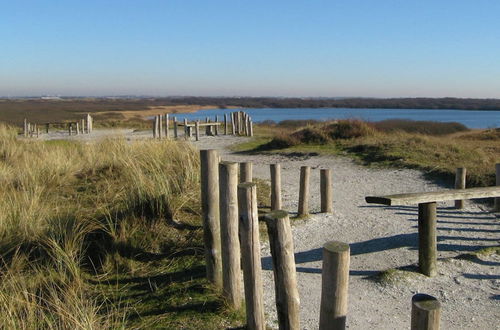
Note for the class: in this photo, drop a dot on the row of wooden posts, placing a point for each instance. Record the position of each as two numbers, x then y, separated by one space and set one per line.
241 124
82 126
232 244
460 180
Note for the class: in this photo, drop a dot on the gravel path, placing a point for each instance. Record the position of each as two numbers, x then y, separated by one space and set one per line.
380 238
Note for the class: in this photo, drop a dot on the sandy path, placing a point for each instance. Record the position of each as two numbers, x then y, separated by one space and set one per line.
380 238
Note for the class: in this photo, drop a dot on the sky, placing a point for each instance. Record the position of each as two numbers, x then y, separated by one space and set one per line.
335 48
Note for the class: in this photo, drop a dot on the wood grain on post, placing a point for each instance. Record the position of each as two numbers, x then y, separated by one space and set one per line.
285 277
460 184
155 127
326 190
425 312
216 127
209 165
305 172
175 127
197 130
246 170
25 127
275 187
427 239
77 128
250 255
167 124
233 123
497 199
251 128
225 124
334 286
230 244
186 128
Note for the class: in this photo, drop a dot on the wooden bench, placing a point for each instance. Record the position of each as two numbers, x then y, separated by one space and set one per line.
427 238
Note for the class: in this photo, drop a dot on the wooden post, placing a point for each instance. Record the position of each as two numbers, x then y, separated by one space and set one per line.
460 184
167 124
82 124
155 127
285 278
334 286
216 127
197 130
230 245
251 127
77 128
305 172
185 128
70 129
326 190
47 128
427 240
209 165
275 187
246 169
233 124
225 124
160 127
38 132
25 127
250 255
497 200
175 127
425 312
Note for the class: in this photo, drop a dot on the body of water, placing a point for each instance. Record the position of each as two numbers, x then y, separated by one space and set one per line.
471 119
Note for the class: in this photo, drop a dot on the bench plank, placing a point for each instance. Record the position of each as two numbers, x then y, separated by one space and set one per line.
435 196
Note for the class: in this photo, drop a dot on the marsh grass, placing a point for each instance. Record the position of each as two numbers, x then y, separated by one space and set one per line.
102 235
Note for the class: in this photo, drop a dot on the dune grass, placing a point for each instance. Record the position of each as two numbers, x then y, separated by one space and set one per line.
103 235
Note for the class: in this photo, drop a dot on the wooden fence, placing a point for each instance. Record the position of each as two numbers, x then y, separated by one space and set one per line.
81 126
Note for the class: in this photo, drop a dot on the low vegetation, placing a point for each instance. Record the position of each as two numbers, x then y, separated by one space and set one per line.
103 235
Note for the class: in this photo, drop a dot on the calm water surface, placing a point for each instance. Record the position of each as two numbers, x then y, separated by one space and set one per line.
471 119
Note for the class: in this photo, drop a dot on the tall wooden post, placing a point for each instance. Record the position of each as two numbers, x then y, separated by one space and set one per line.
305 172
155 127
250 255
425 312
167 124
275 187
427 239
225 124
175 127
77 128
197 130
460 184
70 129
209 164
186 128
326 190
25 127
230 245
250 126
497 200
246 169
160 127
47 128
216 127
334 286
233 123
285 278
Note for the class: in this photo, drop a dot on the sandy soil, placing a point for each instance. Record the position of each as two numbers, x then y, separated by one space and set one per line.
380 238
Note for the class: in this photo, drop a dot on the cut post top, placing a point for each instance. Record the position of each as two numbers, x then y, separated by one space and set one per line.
336 246
425 302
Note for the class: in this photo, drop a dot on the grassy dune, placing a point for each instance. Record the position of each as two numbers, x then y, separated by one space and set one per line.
103 235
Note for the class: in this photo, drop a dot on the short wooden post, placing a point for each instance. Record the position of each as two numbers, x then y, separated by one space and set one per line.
230 245
238 121
70 129
167 124
160 127
47 128
425 312
155 127
185 128
233 123
285 277
89 129
175 127
82 124
216 127
460 184
497 199
197 130
25 127
275 187
77 128
326 190
38 132
225 124
246 169
250 255
209 165
305 172
334 286
250 126
427 239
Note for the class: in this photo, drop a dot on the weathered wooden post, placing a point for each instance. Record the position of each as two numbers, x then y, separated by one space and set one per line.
427 239
497 200
38 132
155 127
216 127
89 129
285 277
334 286
197 130
77 128
460 184
25 127
82 124
185 128
326 190
47 128
238 121
175 127
425 312
209 165
246 169
28 125
250 255
160 127
230 245
251 128
233 124
305 172
225 124
167 124
70 129
275 187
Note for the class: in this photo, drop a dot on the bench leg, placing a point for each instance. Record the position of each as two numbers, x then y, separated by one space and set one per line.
427 239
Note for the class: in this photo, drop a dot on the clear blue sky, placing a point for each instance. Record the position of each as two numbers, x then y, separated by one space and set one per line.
384 48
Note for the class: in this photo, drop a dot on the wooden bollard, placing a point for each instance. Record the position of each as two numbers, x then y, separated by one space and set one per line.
326 190
334 286
425 312
233 123
246 170
77 128
250 255
285 277
497 199
305 172
275 187
460 184
216 127
209 165
47 128
186 128
70 129
230 244
175 127
225 124
250 126
25 127
197 130
167 124
160 127
427 239
155 127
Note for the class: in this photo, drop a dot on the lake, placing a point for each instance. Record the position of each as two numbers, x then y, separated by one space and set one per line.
471 119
